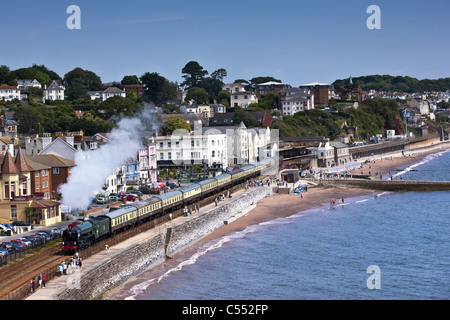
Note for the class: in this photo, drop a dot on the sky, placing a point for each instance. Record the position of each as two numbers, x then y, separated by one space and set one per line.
295 41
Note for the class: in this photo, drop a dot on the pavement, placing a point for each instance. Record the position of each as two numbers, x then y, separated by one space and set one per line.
58 284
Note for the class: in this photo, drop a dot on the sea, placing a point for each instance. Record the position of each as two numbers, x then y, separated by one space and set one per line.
392 246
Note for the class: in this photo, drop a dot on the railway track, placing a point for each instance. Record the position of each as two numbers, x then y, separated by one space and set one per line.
20 273
15 278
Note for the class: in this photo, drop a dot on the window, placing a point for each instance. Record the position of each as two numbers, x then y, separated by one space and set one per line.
37 185
161 144
55 170
169 155
161 156
169 144
13 212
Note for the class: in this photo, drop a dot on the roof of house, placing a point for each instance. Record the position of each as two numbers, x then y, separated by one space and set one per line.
43 203
8 165
8 87
21 163
52 160
113 90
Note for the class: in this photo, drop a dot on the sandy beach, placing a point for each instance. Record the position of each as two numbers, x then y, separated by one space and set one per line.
284 205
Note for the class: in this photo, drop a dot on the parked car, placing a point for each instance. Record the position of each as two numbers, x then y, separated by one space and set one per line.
53 235
34 239
101 200
22 244
26 241
113 198
21 224
136 192
3 251
9 226
58 230
12 246
131 197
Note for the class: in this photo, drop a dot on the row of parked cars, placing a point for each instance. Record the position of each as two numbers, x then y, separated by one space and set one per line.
30 241
119 197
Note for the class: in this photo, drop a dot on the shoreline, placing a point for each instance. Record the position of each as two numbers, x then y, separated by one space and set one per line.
281 206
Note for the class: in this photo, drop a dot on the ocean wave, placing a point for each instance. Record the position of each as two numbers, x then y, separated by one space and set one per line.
427 159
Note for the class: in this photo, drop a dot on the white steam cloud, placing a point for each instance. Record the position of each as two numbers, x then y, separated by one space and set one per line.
93 167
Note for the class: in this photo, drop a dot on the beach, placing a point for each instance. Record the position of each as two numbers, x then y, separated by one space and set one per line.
284 205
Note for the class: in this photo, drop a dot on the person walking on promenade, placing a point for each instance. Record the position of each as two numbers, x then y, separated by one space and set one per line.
43 280
40 280
79 262
32 285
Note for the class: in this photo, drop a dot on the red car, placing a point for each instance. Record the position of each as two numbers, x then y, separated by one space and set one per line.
131 197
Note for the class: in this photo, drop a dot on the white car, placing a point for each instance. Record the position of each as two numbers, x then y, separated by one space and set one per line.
101 200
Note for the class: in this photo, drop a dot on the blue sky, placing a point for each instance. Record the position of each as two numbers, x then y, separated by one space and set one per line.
295 41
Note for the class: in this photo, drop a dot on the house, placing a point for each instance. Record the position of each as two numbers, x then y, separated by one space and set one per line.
8 93
60 169
204 110
422 104
62 147
271 86
147 161
16 194
242 99
6 145
107 93
294 100
341 153
53 90
112 92
233 87
40 178
27 83
136 88
8 126
322 92
217 108
325 155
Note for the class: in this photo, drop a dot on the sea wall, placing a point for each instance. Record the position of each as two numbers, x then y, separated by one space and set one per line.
111 272
387 185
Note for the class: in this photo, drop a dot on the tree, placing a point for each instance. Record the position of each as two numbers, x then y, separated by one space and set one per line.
28 119
257 80
219 74
159 89
173 123
193 73
84 80
118 106
130 80
6 76
199 95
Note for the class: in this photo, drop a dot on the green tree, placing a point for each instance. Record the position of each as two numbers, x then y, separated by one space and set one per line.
159 89
173 123
219 74
28 119
80 81
130 80
118 106
6 76
199 95
193 73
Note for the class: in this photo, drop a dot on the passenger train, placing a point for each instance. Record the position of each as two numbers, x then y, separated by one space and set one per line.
85 232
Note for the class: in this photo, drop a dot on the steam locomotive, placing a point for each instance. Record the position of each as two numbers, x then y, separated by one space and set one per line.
85 232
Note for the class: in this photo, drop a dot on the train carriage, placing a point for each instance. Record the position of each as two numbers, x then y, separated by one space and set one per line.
171 200
191 193
241 174
208 186
264 165
148 209
122 219
223 181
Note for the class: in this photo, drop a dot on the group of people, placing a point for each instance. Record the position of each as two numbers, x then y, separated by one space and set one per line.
74 261
194 208
221 197
41 282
